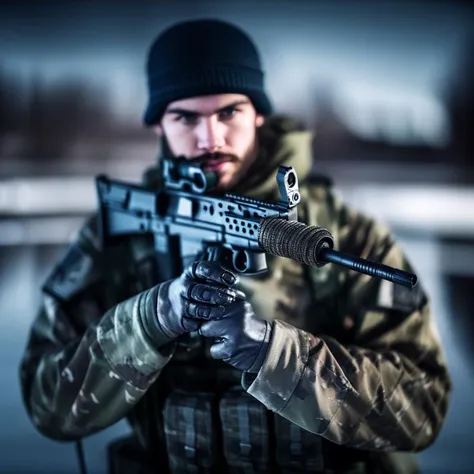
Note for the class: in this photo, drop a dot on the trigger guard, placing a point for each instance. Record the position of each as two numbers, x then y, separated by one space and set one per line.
251 263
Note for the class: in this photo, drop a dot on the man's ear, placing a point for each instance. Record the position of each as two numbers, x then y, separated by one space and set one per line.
259 120
158 129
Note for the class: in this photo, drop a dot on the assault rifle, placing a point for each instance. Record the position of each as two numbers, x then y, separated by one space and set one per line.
186 218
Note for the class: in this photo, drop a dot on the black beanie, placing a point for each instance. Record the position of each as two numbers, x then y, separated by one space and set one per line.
203 57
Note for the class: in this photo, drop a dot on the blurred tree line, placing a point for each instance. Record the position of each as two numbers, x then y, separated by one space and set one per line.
40 121
43 121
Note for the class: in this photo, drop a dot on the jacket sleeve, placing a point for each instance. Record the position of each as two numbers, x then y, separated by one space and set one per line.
386 391
88 358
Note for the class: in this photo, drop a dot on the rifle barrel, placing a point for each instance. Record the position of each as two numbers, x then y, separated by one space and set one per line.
368 267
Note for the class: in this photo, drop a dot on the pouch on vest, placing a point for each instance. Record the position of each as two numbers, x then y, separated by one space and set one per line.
245 433
297 450
190 433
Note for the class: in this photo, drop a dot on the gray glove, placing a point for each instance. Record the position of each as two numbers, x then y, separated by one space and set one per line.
200 293
242 338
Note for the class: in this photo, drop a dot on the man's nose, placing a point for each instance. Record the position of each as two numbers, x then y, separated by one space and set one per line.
210 135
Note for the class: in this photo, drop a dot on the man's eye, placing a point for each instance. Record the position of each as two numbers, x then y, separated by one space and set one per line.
227 113
187 119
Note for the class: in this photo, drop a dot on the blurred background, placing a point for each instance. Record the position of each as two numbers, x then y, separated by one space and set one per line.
385 86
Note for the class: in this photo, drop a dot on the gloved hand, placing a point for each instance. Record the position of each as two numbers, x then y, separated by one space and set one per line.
242 337
200 293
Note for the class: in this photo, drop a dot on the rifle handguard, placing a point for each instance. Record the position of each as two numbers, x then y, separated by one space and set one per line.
295 240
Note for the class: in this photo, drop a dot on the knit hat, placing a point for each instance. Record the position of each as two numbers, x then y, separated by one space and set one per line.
203 57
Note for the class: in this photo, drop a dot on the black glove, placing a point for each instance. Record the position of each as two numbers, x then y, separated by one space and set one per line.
200 293
242 337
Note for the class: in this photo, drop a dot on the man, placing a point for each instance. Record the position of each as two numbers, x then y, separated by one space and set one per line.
298 370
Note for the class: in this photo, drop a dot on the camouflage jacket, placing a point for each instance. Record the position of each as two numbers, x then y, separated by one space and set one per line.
354 360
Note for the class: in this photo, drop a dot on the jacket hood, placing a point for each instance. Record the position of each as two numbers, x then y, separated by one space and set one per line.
282 141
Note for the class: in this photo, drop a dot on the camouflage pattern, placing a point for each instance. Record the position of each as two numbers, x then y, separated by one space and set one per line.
355 379
190 431
245 433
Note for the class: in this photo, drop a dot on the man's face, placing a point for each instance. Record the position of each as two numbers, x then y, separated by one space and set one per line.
219 129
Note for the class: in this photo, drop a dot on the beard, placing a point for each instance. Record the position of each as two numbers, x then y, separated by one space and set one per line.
205 158
217 162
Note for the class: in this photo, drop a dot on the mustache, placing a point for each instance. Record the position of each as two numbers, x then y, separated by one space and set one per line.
210 157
